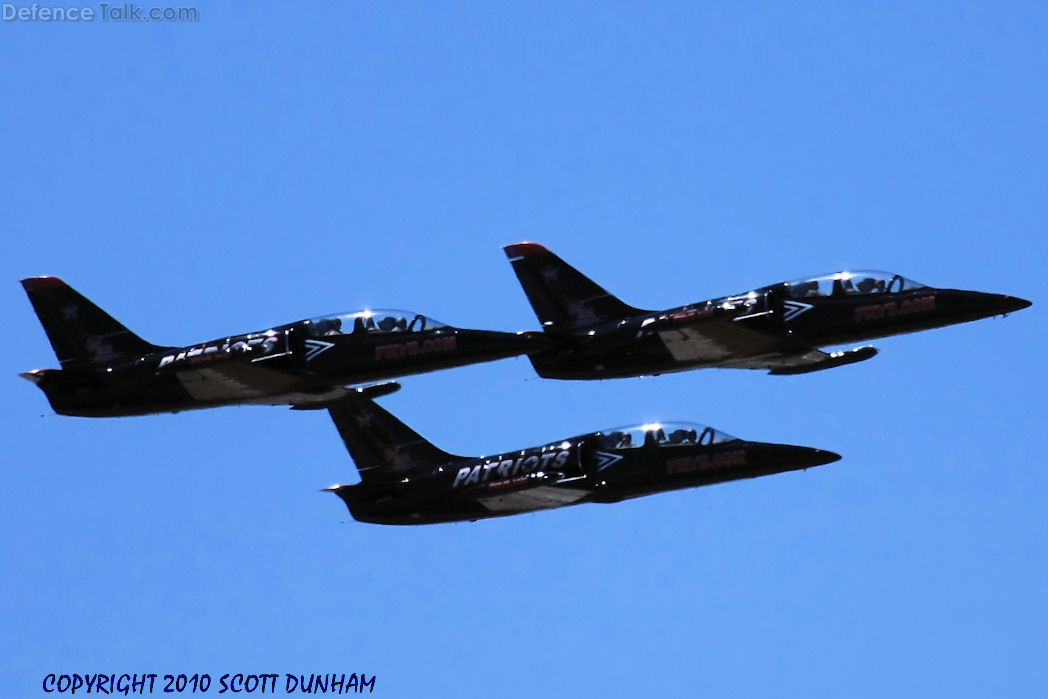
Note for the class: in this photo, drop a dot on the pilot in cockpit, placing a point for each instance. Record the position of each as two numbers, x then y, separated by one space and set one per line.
364 324
804 289
656 436
327 326
682 436
870 285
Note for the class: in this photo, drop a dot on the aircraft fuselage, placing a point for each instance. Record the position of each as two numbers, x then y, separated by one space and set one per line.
595 467
285 365
764 324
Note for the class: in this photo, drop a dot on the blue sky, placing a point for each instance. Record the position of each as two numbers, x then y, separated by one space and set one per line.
274 162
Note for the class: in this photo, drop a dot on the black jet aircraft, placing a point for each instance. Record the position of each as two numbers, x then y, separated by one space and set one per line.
778 327
108 371
407 480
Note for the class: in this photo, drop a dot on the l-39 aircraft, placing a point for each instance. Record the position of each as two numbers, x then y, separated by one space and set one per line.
407 480
778 327
107 370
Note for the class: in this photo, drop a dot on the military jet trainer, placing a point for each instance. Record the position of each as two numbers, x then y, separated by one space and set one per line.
107 370
778 327
407 480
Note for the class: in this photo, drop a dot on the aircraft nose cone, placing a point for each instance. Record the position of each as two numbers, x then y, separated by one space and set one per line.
1014 303
986 305
802 457
820 457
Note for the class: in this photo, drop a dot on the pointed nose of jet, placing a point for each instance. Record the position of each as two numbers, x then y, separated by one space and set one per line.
807 457
976 304
1014 303
786 457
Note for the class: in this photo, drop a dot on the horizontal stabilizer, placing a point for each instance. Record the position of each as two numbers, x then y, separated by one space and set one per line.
36 375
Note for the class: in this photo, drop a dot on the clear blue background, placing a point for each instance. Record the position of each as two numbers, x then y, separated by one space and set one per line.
273 162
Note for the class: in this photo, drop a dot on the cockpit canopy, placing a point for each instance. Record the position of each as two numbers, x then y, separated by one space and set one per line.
859 282
371 321
664 433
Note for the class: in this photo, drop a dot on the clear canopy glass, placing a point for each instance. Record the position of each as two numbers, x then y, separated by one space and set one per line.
371 321
665 433
859 282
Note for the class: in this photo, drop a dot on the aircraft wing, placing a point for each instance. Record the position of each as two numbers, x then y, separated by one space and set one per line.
712 339
234 380
804 362
318 401
700 337
531 491
537 498
782 361
252 383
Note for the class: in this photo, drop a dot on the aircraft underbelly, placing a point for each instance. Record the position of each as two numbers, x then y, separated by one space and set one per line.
540 498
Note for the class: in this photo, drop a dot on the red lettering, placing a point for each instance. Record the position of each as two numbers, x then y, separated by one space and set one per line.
704 462
414 348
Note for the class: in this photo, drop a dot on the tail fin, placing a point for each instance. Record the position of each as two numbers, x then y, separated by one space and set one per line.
563 298
383 447
80 332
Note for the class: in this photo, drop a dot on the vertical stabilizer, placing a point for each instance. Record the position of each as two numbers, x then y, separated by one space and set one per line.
383 447
564 299
80 332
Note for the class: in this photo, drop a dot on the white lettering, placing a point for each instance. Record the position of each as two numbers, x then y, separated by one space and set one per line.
461 476
488 467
